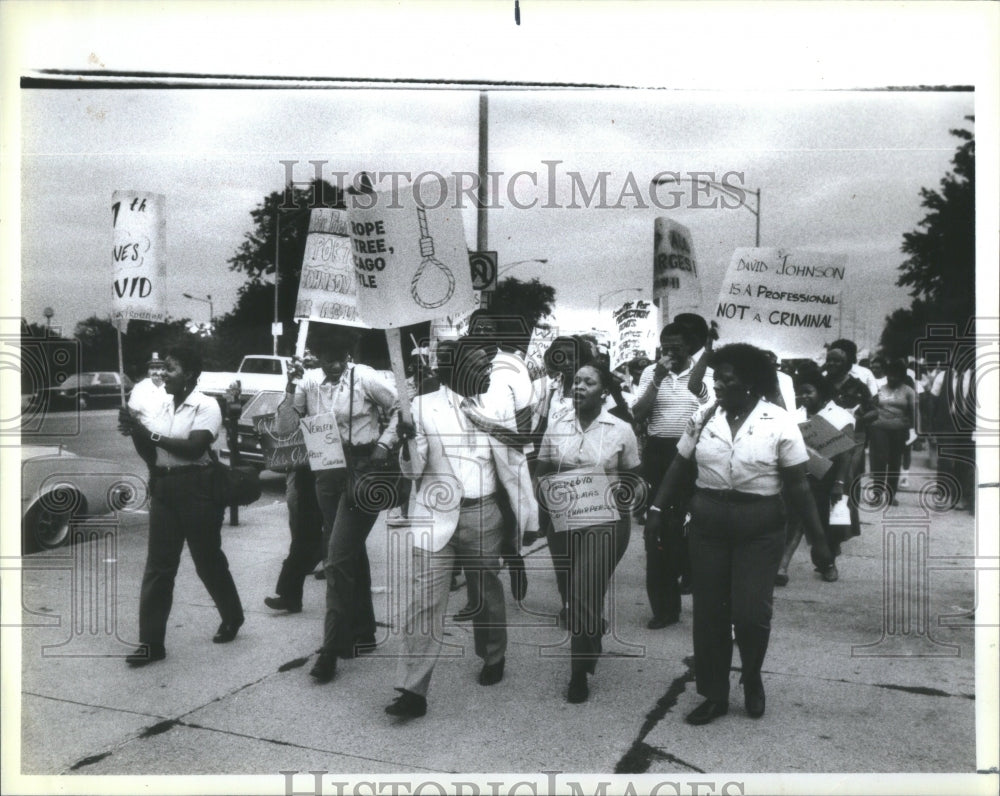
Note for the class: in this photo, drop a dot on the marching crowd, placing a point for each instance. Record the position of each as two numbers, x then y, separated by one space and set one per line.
702 448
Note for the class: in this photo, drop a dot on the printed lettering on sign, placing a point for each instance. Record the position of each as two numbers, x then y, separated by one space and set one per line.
783 300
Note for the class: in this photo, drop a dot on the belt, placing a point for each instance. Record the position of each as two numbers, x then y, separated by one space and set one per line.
470 503
178 468
732 495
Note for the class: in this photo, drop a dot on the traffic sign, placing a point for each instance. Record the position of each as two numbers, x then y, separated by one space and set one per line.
483 266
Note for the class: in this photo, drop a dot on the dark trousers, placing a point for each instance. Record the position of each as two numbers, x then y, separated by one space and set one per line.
182 510
305 523
594 552
350 615
735 552
886 454
667 557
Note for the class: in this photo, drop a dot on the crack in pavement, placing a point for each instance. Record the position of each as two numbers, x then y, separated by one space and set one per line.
639 756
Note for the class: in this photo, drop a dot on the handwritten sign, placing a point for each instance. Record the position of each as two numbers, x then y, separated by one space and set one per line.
322 439
578 498
328 290
823 442
675 271
784 300
138 256
635 332
541 339
411 261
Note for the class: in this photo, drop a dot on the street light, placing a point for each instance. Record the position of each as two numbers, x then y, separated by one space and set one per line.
507 267
600 298
736 193
206 300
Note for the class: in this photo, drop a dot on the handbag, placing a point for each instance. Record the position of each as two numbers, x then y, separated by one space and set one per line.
282 452
234 486
374 486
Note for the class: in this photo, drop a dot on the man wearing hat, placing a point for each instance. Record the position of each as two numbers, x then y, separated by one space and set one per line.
148 395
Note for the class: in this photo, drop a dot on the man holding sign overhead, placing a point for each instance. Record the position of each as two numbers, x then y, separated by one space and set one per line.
458 470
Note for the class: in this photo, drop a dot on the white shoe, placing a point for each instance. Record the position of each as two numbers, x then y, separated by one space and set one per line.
904 481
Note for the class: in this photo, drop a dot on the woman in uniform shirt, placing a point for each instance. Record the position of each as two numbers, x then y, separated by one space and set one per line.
589 441
745 453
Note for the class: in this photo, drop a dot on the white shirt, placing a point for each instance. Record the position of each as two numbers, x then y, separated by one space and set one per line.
787 388
866 377
197 412
147 399
374 397
466 447
607 443
768 440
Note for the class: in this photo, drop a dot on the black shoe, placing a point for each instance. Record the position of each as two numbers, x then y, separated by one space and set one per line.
325 668
466 614
227 632
145 654
685 586
407 705
753 699
781 579
518 578
365 646
660 622
578 690
492 673
707 711
319 574
283 604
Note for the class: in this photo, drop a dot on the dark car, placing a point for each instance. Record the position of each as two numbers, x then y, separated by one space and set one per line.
101 388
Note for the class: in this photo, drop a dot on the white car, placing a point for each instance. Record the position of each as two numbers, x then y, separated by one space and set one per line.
59 487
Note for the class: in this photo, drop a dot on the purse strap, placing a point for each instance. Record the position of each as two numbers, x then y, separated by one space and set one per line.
350 412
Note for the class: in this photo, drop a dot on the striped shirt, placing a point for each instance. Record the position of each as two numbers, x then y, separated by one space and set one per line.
675 403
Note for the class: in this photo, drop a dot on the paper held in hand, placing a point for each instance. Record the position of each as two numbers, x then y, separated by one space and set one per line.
578 498
322 438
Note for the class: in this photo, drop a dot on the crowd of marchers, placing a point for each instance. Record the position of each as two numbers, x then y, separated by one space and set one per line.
702 448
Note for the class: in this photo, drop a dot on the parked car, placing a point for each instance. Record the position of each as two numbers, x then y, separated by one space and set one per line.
256 373
87 389
59 488
263 403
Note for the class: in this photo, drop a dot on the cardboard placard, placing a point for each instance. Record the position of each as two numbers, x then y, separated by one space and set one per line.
578 498
676 285
823 437
138 255
328 290
411 261
783 300
636 334
322 439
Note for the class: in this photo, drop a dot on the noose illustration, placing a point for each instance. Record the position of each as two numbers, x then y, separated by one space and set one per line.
433 283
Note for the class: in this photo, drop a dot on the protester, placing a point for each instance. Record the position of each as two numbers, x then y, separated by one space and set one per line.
182 506
509 402
744 454
356 395
955 409
305 520
589 440
851 394
702 336
889 425
814 395
457 470
785 395
858 371
667 404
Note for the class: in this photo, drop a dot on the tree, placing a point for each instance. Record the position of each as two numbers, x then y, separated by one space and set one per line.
282 216
517 308
903 327
941 269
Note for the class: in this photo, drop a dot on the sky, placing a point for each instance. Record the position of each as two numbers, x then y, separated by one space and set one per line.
838 171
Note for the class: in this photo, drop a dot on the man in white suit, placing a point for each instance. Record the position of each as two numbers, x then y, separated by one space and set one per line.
459 472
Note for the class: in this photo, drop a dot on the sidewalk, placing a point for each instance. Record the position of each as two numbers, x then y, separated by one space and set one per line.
843 696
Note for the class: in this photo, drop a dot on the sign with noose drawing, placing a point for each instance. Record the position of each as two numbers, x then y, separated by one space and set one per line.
410 258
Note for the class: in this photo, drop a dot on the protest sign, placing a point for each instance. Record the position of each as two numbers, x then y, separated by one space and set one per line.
411 261
823 442
578 498
541 339
322 439
328 289
676 286
635 332
139 249
783 300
